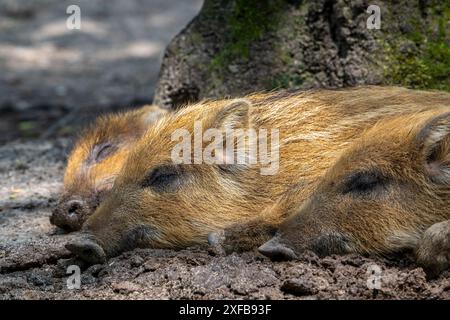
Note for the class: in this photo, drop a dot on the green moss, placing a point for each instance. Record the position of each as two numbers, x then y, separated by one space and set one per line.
196 37
27 129
285 81
421 58
247 22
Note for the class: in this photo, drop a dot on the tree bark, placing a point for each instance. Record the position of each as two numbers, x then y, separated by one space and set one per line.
233 47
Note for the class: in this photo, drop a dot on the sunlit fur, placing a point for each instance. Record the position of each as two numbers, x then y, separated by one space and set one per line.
412 152
315 127
86 178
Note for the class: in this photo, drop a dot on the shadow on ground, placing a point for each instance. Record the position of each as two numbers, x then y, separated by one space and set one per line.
48 71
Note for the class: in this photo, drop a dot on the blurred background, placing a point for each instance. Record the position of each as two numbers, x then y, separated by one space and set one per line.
53 79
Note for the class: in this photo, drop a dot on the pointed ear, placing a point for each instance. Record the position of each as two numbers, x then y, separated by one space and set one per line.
233 119
152 113
434 140
234 115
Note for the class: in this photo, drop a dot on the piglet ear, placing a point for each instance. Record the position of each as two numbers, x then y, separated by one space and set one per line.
434 139
234 115
233 119
152 113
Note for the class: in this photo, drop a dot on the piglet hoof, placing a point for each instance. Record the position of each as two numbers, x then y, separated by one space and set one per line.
433 251
216 241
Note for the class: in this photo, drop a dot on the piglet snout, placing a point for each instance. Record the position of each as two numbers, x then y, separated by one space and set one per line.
70 214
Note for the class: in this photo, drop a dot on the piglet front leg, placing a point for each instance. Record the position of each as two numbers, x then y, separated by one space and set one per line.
433 251
241 237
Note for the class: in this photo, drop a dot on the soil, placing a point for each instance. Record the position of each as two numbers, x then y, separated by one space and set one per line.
33 260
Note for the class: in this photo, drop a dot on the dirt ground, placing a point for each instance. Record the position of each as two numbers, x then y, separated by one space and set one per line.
114 63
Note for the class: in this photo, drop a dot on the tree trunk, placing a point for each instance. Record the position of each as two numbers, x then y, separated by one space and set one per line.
238 46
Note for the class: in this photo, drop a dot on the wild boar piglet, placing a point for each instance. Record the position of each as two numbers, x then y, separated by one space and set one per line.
380 196
187 176
95 162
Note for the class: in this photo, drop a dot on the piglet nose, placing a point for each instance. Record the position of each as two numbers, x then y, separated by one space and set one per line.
276 250
87 250
74 207
70 215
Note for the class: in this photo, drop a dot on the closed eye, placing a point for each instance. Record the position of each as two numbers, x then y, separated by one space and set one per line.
164 179
102 151
365 182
